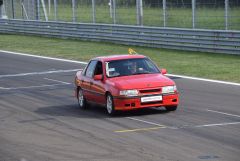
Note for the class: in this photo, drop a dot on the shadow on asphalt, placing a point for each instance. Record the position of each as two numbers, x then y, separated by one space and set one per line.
174 78
94 111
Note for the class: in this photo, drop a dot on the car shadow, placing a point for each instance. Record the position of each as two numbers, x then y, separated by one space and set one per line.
141 112
94 111
174 77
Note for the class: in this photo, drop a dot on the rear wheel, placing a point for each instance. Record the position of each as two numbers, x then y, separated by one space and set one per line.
110 105
171 108
81 100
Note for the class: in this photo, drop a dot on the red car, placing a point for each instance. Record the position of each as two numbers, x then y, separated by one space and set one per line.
125 82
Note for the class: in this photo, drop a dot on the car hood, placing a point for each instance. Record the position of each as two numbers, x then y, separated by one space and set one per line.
141 81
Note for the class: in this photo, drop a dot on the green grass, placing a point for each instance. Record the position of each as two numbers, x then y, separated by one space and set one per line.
198 64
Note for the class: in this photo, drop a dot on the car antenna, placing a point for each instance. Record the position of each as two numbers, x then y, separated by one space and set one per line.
131 51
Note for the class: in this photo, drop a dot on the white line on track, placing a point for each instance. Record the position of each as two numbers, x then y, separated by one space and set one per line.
43 57
220 124
54 80
183 127
174 128
202 79
29 87
224 113
80 62
171 127
39 73
147 122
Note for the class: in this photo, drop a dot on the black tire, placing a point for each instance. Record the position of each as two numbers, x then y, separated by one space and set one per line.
171 108
110 105
81 99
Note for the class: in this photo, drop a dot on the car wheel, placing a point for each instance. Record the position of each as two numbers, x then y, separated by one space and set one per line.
81 100
110 105
171 108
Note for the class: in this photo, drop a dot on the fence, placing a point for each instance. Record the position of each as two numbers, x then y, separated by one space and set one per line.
199 14
218 41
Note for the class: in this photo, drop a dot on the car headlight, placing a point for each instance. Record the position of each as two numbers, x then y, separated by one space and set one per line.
169 89
129 92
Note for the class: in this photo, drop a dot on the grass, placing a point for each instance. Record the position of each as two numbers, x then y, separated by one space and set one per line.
198 64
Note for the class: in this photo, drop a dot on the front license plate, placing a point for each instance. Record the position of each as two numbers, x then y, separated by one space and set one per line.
151 98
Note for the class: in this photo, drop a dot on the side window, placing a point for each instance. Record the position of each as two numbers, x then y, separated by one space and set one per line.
98 69
90 68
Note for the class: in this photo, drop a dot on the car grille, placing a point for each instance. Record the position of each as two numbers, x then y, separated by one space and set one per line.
146 91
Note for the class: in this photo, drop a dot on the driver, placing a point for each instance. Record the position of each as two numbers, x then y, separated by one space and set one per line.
133 67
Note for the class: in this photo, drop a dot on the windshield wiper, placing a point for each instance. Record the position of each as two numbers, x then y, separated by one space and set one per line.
141 73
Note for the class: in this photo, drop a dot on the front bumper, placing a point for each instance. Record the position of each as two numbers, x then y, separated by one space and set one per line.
128 103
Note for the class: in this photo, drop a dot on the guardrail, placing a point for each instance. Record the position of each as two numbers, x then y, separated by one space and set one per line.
216 41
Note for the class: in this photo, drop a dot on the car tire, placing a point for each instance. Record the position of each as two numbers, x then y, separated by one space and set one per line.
171 108
81 99
110 105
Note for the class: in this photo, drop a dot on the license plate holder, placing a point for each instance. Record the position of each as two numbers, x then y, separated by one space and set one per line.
151 98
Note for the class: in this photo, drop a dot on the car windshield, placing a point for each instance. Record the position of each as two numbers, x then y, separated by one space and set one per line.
126 67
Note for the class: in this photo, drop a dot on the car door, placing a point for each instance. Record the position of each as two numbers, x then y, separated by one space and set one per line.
97 86
88 79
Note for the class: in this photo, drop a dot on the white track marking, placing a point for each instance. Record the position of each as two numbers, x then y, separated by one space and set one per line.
175 128
43 57
205 80
54 80
183 127
80 62
29 87
147 122
221 124
223 113
39 73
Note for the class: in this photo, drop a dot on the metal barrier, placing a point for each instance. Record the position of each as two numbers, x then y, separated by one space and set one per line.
197 14
216 41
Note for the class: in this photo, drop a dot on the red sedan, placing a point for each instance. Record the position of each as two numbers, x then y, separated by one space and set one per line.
125 82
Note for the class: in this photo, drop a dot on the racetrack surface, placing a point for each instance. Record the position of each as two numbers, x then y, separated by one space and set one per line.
40 120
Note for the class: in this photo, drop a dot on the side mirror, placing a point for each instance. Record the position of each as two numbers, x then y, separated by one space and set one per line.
98 77
164 71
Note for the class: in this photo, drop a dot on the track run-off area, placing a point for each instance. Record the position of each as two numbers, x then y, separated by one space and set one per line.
40 119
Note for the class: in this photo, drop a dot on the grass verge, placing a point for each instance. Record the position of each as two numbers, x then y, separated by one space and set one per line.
198 64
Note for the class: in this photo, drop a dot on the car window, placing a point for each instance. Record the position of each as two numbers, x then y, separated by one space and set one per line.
98 69
130 67
90 68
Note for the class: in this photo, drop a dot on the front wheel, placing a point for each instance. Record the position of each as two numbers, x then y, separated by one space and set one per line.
110 105
81 100
171 108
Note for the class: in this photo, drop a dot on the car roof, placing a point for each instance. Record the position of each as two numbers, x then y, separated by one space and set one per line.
118 57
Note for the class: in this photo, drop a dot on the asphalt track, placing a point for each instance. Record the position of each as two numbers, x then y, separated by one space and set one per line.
40 120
